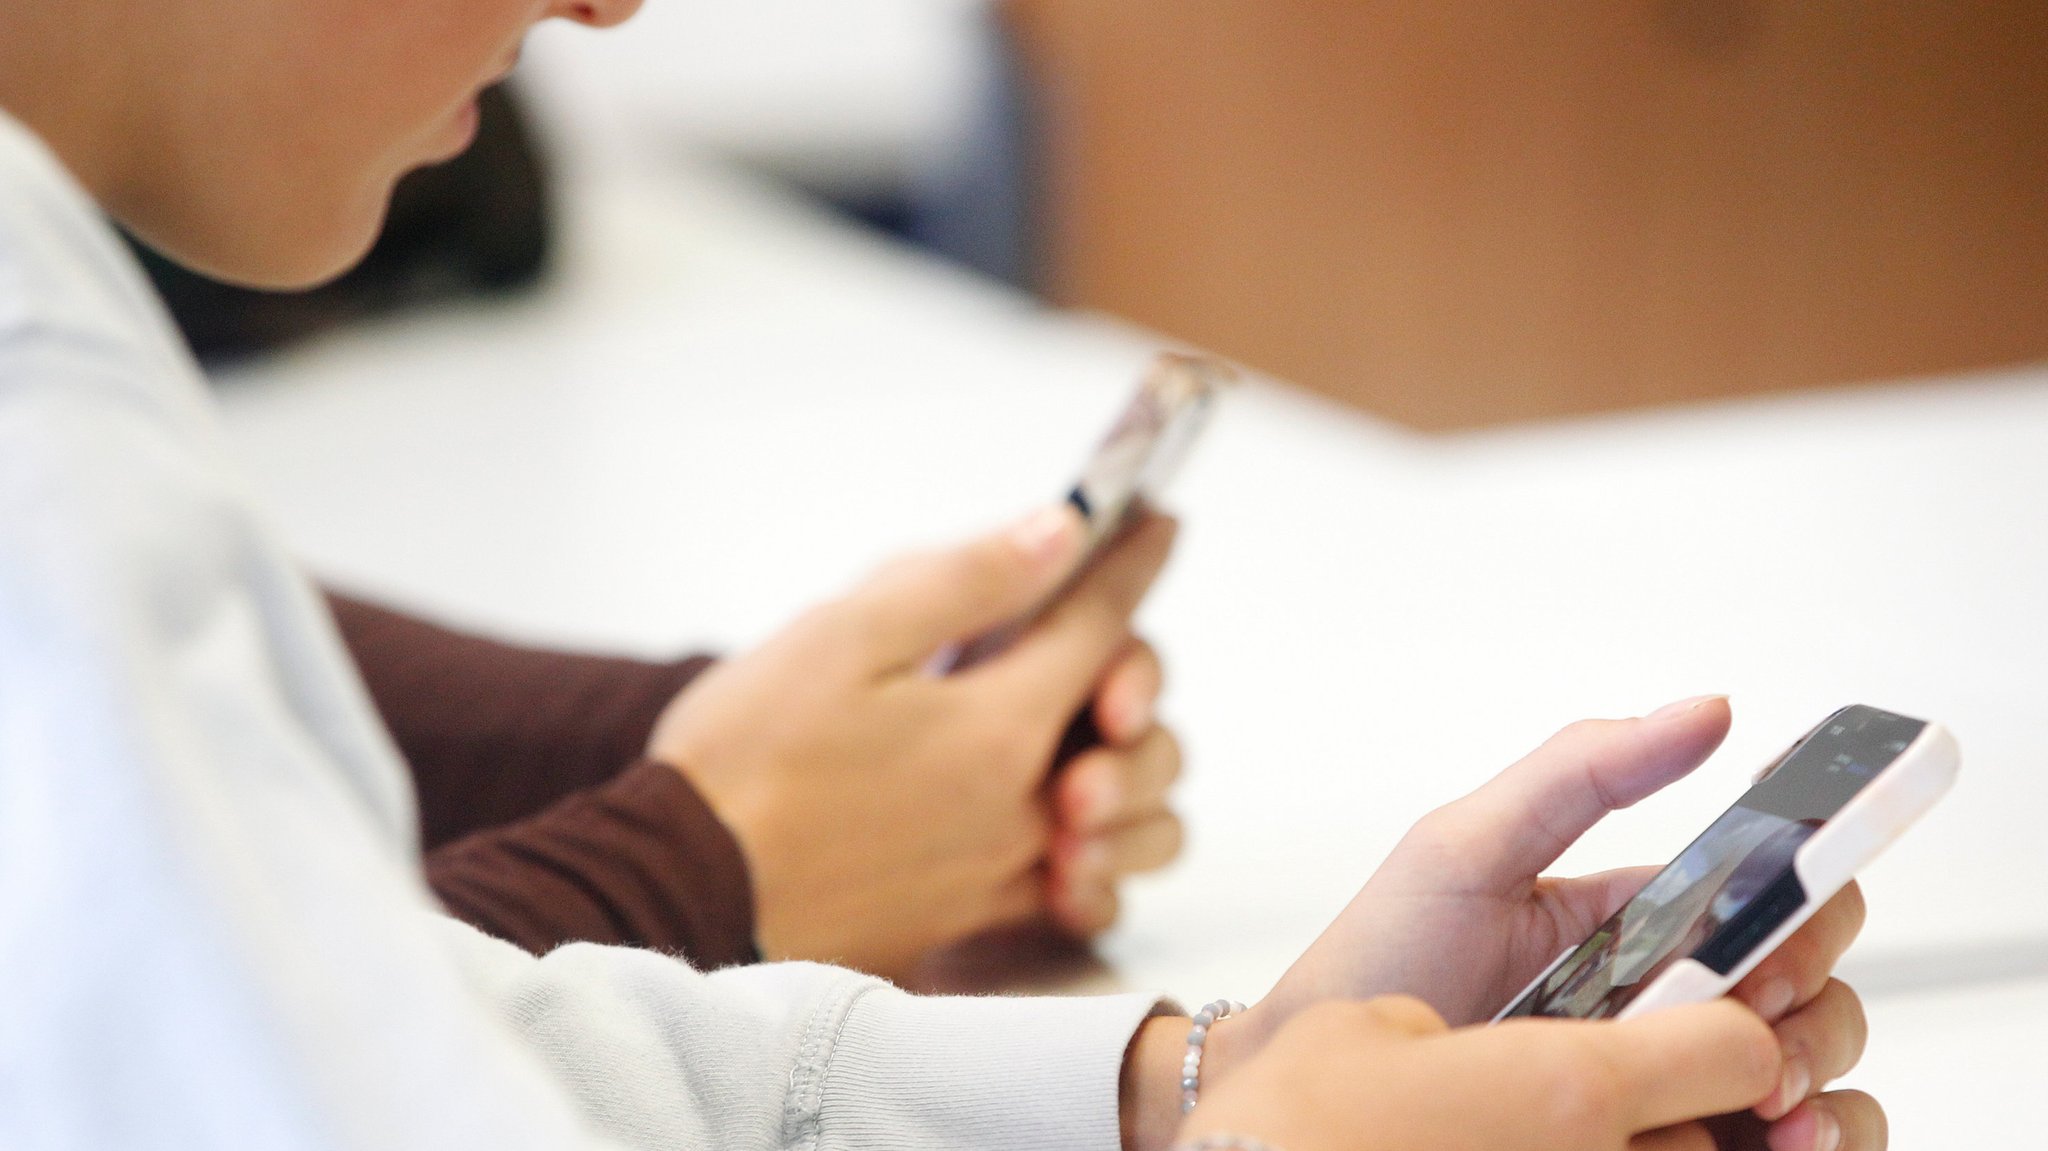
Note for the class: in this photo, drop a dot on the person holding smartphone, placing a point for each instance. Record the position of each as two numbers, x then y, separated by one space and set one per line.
214 924
564 799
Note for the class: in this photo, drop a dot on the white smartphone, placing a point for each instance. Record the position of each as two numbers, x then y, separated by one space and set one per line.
1815 816
1139 456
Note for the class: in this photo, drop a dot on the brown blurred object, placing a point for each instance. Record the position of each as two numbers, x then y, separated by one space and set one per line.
1463 212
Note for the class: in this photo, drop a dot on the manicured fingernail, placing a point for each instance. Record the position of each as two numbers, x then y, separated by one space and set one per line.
1044 535
1827 1132
1683 707
1774 999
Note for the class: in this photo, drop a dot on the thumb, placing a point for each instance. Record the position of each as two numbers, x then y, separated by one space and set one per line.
1515 826
920 604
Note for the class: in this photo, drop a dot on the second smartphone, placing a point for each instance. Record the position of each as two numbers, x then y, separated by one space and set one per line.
1814 818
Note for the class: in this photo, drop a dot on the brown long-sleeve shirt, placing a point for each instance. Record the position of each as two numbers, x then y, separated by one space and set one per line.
543 824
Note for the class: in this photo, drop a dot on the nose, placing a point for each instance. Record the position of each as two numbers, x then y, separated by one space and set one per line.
596 13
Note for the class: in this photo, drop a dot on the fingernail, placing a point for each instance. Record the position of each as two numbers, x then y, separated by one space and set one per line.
1044 535
1104 798
1792 1090
1774 999
1683 707
1134 714
1827 1131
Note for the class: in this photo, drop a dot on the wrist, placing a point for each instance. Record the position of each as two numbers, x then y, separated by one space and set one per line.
738 810
1232 1043
1150 1088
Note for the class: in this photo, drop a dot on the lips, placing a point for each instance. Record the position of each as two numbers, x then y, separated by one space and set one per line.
462 125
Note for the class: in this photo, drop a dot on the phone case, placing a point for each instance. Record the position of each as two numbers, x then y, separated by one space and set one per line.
1136 459
1823 865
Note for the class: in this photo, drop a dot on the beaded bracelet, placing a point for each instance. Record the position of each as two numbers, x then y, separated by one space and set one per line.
1225 1143
1198 1038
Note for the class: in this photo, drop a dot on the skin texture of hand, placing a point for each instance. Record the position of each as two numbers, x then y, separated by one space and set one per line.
886 810
1459 918
1388 1075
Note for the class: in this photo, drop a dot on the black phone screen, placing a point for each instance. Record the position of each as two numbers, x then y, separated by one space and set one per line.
1735 884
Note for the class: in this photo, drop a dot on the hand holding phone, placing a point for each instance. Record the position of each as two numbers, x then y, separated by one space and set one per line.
1467 908
1132 466
1816 816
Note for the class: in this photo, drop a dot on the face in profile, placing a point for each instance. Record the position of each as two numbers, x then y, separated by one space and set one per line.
281 126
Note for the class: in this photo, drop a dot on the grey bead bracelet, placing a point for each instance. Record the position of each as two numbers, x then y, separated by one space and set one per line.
1198 1038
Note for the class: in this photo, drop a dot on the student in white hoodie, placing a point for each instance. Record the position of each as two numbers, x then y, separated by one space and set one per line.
213 930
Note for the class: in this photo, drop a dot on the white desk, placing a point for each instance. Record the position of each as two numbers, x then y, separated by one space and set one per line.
1960 1068
729 408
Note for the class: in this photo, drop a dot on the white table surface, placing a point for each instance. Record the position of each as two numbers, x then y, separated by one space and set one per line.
728 408
1961 1067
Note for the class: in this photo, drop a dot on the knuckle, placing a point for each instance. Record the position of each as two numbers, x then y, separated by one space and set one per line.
1403 1013
1324 1023
1580 732
1440 838
1584 1092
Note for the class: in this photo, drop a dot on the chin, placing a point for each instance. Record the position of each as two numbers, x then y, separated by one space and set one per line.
307 269
274 252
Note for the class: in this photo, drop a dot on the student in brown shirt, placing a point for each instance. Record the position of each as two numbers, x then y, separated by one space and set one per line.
546 821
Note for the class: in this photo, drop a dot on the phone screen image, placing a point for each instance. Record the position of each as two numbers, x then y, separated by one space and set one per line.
1735 884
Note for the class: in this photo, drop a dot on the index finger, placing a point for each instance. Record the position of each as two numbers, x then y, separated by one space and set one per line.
1521 821
1060 660
1687 1063
1639 1075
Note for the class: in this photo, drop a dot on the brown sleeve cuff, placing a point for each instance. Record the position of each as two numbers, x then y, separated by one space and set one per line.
496 732
640 861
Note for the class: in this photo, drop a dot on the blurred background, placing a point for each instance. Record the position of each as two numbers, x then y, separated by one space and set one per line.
1454 215
1606 352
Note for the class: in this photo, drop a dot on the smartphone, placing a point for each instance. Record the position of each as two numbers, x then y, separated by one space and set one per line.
1814 817
1136 460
